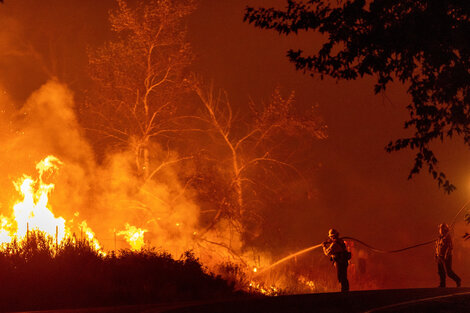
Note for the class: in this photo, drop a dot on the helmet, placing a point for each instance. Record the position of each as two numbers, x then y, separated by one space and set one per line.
333 233
444 227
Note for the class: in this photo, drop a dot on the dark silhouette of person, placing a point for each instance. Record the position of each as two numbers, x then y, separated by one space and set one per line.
335 248
444 256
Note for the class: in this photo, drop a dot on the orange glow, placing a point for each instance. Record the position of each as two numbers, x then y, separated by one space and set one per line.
90 236
5 235
134 236
261 288
33 212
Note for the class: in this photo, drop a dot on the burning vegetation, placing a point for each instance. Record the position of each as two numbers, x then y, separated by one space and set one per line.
33 211
106 186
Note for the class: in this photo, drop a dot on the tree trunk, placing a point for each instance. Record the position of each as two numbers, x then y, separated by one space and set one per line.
145 159
142 159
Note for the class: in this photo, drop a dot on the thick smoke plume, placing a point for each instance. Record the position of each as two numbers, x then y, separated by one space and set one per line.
358 191
108 196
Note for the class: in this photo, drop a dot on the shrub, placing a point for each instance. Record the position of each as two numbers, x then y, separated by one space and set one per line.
38 275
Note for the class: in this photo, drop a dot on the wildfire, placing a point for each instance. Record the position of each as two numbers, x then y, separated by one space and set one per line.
261 288
134 236
90 236
309 284
33 211
4 233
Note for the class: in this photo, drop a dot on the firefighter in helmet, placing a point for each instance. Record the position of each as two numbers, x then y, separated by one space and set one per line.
444 256
335 248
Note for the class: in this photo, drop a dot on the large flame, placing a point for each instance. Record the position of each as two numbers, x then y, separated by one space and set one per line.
33 211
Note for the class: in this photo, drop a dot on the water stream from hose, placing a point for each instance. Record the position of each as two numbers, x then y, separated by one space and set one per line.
290 256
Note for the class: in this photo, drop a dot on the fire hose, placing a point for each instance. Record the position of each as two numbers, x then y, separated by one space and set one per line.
388 251
410 247
365 244
344 238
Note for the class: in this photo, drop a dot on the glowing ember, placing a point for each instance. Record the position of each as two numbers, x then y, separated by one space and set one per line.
134 236
307 283
261 288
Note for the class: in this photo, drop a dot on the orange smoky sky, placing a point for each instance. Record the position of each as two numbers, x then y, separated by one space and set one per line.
360 189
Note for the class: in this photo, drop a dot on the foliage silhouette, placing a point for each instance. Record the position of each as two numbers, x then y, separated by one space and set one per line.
421 43
38 275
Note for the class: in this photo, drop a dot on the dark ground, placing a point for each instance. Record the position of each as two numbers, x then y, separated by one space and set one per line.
397 300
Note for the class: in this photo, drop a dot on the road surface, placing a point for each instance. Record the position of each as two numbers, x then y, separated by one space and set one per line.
447 300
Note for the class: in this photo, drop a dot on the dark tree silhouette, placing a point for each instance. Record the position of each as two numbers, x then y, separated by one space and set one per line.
421 43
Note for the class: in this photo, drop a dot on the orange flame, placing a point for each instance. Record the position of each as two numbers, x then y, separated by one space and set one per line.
33 211
134 236
90 236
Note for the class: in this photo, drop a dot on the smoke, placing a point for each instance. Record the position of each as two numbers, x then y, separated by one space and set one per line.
360 193
108 195
160 206
38 118
45 125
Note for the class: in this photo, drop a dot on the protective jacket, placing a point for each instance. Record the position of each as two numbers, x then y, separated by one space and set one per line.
444 246
336 250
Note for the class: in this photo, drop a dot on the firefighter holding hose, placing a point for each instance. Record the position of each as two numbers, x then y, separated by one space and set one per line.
444 256
335 248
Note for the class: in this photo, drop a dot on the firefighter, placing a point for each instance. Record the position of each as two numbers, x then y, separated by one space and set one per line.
335 248
444 256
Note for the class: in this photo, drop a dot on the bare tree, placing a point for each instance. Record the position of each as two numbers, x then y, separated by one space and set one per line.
254 150
137 77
